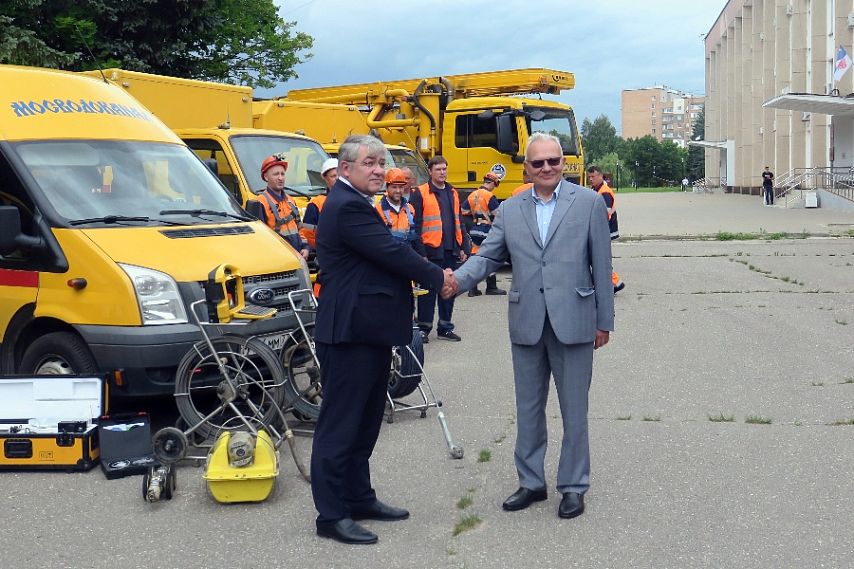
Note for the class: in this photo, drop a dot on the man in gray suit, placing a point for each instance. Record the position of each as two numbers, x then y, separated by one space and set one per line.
561 308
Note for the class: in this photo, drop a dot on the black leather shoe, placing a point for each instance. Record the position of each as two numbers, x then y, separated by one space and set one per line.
522 498
381 512
571 506
425 339
449 335
347 531
475 292
496 292
619 287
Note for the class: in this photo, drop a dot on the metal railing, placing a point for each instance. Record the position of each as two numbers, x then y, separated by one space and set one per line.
708 185
837 180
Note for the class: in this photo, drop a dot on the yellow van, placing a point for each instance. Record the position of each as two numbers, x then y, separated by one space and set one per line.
109 227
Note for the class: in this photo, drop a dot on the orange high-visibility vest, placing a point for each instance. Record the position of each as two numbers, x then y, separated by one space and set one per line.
431 226
521 189
308 231
478 202
282 216
612 209
399 223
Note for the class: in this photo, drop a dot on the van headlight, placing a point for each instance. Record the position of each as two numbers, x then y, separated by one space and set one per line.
157 295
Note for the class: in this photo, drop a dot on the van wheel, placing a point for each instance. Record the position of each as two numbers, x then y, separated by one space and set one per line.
58 353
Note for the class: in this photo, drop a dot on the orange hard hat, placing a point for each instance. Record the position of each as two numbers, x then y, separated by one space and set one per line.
492 177
273 160
395 176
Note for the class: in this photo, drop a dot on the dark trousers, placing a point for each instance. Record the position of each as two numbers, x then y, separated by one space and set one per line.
427 303
355 380
769 195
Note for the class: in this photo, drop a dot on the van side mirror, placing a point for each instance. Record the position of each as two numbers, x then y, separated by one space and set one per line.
11 237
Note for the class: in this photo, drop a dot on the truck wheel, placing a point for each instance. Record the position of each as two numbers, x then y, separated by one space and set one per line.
58 353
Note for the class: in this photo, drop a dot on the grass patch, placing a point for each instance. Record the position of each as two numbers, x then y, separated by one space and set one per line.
721 418
465 502
775 236
848 380
758 420
653 418
624 418
730 236
484 455
841 422
466 523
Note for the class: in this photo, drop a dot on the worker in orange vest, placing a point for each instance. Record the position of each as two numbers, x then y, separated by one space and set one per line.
275 207
329 172
397 213
478 212
527 185
437 220
597 182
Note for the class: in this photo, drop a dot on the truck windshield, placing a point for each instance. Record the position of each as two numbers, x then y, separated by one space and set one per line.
124 182
560 123
404 158
305 158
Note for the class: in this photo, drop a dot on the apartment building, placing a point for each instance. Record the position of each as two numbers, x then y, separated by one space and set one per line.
771 95
662 112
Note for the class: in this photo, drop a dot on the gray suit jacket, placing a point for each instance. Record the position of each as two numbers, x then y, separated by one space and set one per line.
568 277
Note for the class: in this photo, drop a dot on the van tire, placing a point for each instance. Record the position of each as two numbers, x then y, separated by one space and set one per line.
58 353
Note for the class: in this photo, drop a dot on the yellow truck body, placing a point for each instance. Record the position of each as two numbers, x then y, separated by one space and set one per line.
109 227
216 121
480 122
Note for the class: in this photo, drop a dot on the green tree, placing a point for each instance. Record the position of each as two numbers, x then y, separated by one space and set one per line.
238 41
696 164
599 138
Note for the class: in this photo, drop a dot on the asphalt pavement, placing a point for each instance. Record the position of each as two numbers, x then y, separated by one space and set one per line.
720 418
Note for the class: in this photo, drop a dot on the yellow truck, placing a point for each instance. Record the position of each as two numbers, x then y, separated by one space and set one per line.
480 122
109 228
330 124
216 121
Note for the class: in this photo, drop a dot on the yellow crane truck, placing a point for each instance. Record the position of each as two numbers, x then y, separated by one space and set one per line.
480 122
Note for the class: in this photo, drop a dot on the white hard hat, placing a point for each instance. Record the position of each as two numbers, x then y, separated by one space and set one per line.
328 164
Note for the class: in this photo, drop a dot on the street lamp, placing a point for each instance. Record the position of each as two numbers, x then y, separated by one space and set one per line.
636 174
653 175
617 184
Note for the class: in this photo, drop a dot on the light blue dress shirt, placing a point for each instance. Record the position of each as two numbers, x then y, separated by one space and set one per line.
545 211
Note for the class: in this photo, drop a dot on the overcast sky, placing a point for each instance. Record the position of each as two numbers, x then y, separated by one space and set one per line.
609 45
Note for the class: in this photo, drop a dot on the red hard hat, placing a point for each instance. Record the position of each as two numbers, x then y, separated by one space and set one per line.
395 176
492 177
273 160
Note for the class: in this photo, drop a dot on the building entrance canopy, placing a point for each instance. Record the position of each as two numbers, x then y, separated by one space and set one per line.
822 104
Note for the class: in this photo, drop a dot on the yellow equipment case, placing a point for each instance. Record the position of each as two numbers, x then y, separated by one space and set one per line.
49 422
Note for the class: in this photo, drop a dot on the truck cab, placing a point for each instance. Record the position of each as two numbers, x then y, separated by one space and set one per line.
109 228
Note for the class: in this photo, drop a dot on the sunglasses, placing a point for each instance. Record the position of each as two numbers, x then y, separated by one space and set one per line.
540 163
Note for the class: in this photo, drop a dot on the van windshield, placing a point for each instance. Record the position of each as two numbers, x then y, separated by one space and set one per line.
405 158
305 158
560 123
128 181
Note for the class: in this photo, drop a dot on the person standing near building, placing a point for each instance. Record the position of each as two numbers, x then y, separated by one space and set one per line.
275 207
437 220
478 212
561 309
597 182
768 185
366 308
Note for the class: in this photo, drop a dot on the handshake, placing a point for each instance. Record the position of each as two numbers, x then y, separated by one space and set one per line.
451 287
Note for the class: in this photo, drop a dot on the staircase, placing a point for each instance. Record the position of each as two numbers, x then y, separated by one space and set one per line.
792 186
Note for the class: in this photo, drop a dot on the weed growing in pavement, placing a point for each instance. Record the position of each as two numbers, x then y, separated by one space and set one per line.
465 502
624 418
653 418
848 380
721 418
797 423
466 523
758 420
484 456
818 384
841 422
775 236
730 236
840 322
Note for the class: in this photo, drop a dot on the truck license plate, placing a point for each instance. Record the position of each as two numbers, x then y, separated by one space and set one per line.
275 341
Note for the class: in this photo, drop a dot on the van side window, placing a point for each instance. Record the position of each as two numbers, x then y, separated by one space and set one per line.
207 149
475 132
12 193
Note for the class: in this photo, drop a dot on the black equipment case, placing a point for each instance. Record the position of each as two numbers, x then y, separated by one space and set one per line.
49 422
125 444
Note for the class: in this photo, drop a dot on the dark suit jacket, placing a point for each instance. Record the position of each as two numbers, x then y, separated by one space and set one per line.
367 274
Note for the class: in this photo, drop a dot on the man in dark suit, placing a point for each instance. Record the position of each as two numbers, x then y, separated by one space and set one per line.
365 309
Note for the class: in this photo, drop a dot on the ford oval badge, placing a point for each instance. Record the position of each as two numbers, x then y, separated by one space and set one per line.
261 296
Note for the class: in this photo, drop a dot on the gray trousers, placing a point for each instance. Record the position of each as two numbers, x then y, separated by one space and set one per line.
572 367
